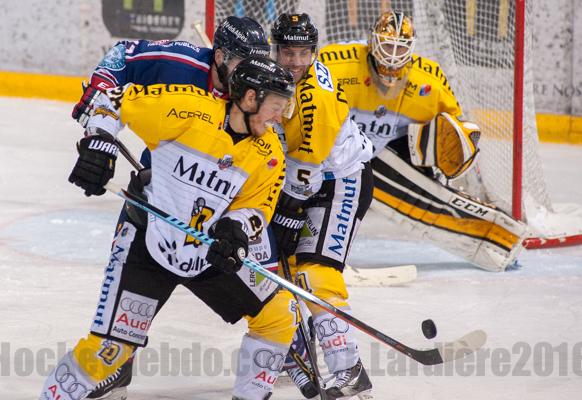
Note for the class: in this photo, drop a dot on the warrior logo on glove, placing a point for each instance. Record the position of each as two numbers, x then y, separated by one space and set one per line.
96 163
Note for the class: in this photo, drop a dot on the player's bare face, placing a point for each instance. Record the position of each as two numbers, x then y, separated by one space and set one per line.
296 59
270 112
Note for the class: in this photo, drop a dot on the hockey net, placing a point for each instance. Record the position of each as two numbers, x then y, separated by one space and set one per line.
474 42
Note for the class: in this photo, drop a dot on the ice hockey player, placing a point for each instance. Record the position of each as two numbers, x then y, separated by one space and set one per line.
404 104
148 62
327 191
223 158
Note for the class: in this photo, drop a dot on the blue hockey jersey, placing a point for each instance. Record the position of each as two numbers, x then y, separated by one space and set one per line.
146 62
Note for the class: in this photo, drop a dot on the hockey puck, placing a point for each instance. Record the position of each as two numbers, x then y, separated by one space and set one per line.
429 329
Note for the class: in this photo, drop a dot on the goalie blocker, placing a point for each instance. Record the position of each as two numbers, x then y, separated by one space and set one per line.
426 209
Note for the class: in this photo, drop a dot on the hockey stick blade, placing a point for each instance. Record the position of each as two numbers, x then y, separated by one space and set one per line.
375 277
463 346
426 357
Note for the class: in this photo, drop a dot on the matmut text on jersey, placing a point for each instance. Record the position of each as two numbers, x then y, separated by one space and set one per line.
199 171
384 114
323 143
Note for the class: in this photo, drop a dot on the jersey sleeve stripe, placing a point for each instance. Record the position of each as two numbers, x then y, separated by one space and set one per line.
161 55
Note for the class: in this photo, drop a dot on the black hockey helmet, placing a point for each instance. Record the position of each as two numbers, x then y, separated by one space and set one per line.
241 37
294 30
262 74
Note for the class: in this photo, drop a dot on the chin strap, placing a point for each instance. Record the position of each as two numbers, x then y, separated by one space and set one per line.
247 116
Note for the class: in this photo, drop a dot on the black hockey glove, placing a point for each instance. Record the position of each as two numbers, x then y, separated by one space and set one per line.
230 246
84 107
287 224
96 163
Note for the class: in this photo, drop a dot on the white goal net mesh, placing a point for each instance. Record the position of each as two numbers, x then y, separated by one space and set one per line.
474 43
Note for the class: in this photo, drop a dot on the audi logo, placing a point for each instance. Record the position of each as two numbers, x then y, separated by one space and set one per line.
69 384
330 326
265 358
137 307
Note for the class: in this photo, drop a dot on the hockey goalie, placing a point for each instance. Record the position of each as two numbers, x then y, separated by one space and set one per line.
425 151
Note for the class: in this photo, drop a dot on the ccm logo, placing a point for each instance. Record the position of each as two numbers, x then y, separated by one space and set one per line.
470 207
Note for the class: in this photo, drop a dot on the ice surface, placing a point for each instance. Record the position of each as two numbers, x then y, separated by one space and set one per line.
54 244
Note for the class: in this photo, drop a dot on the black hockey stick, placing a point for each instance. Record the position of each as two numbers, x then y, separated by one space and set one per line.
313 372
128 156
443 353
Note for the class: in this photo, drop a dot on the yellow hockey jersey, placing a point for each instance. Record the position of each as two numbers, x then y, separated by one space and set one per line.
384 117
199 174
322 142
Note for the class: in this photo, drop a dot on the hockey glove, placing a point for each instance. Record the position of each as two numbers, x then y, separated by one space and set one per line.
96 163
83 109
287 224
230 246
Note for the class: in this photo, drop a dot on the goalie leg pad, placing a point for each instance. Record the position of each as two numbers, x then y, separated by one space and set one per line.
479 233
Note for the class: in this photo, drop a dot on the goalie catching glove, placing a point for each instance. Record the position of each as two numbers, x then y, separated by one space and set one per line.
95 165
446 143
230 246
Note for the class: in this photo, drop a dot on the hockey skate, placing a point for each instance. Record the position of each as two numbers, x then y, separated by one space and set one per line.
114 387
303 383
115 394
350 382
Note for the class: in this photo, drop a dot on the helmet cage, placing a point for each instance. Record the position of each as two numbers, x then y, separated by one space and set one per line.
392 43
392 53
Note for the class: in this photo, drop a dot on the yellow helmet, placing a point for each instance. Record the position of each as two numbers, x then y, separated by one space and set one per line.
391 44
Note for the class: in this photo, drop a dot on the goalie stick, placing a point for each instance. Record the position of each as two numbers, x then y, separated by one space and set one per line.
442 353
375 277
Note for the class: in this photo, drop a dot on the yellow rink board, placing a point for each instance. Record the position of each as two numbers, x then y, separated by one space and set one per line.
552 128
52 87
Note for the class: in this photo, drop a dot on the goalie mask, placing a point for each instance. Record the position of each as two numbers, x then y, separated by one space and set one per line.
390 46
445 143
